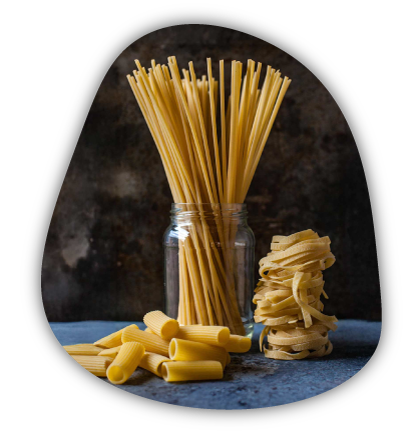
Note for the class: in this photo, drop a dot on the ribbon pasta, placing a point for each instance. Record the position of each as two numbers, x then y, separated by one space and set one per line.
288 297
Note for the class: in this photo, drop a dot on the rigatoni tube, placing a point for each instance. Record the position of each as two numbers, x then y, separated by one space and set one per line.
111 352
151 342
161 324
238 344
184 350
212 335
83 349
192 370
125 363
114 339
97 365
153 363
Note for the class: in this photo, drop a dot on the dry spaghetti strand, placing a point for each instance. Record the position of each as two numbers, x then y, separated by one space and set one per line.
210 149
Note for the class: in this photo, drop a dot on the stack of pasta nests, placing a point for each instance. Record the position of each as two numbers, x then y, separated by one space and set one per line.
170 351
288 297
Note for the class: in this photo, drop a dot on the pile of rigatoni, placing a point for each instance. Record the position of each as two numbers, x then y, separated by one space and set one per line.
170 351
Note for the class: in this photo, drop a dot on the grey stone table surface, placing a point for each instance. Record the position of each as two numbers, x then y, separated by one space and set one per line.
250 380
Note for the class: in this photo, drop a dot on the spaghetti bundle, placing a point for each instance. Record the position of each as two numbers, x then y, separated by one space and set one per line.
288 297
210 147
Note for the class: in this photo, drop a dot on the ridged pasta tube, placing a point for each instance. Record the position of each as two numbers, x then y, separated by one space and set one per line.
184 350
192 370
212 335
111 352
153 363
83 349
125 363
161 324
114 339
238 344
151 342
97 365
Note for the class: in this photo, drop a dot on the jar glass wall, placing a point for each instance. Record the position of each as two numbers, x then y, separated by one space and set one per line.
209 266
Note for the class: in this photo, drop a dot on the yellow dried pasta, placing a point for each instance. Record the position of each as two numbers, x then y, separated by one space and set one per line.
153 363
161 324
288 297
192 370
114 339
111 352
182 113
212 335
238 344
151 342
97 365
83 349
185 350
131 347
126 362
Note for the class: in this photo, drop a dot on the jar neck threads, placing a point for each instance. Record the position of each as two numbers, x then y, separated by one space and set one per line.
186 212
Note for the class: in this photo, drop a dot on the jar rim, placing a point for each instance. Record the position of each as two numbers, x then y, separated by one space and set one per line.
192 209
211 204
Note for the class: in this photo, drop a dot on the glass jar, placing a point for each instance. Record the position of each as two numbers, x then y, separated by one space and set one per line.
209 266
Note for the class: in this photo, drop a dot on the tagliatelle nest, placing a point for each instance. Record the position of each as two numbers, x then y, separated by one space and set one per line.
288 297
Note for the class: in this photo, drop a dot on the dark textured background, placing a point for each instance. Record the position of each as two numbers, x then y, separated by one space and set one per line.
103 256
